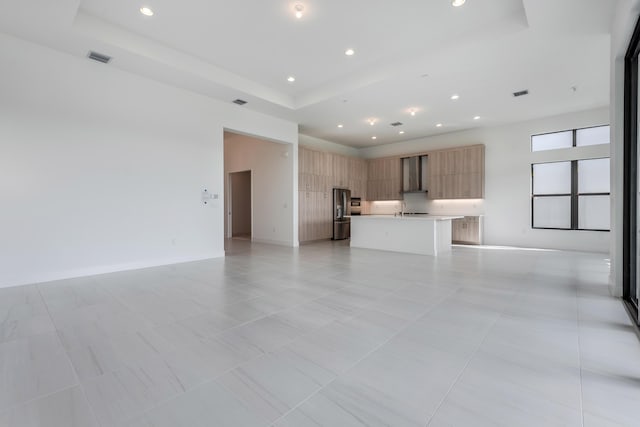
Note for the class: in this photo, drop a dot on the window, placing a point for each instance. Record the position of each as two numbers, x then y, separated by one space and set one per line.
570 138
552 141
572 194
592 136
552 195
593 194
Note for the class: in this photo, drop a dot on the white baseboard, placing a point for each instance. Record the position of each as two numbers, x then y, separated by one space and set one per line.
103 269
274 242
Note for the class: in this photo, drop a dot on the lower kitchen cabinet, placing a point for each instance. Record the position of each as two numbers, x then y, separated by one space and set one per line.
467 230
314 215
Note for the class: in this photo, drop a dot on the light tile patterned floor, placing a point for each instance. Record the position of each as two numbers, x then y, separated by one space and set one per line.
324 335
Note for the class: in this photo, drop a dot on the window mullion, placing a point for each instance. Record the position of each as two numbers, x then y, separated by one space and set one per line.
574 193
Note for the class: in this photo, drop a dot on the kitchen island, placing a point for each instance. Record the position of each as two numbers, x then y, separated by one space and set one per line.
416 234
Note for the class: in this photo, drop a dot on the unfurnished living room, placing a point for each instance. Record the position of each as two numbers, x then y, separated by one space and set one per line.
303 213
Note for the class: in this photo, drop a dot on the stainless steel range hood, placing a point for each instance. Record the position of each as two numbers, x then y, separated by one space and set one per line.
414 174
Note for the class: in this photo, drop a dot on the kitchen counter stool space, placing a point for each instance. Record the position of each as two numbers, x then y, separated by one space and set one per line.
416 234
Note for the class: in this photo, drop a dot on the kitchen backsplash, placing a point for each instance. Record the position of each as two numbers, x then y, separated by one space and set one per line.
418 203
386 207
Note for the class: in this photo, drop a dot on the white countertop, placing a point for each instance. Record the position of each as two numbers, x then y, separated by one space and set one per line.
419 217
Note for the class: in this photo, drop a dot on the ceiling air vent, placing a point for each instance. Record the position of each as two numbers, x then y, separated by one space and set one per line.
394 124
239 101
99 57
521 93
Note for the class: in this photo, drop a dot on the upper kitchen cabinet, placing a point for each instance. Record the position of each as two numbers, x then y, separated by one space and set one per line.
358 177
457 173
315 169
384 179
340 176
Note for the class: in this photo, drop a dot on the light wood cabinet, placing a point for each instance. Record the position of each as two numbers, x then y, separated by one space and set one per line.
466 230
340 174
318 173
314 215
384 179
456 173
315 169
358 175
315 181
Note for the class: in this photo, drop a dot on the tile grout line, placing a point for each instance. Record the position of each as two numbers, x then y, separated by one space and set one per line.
359 311
214 379
464 368
410 323
122 301
68 357
264 354
500 315
44 396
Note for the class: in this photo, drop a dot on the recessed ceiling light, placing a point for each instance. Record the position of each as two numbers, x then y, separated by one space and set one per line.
374 137
412 111
299 10
455 96
439 125
291 79
372 121
349 52
341 126
457 3
401 132
146 11
476 118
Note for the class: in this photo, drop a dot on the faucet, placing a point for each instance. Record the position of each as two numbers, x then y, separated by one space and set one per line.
403 206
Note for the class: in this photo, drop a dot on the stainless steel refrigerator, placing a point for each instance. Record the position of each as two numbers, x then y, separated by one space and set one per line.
341 214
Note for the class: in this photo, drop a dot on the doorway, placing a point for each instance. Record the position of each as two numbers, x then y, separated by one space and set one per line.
240 211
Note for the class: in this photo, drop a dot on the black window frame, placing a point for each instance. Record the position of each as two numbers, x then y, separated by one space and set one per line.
574 195
533 196
574 139
630 176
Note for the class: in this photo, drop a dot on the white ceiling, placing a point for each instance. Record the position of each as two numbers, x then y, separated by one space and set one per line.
409 54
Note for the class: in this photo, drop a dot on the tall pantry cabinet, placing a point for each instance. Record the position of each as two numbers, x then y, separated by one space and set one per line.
318 174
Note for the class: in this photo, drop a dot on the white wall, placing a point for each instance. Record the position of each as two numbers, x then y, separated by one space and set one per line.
101 170
324 145
271 166
508 158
